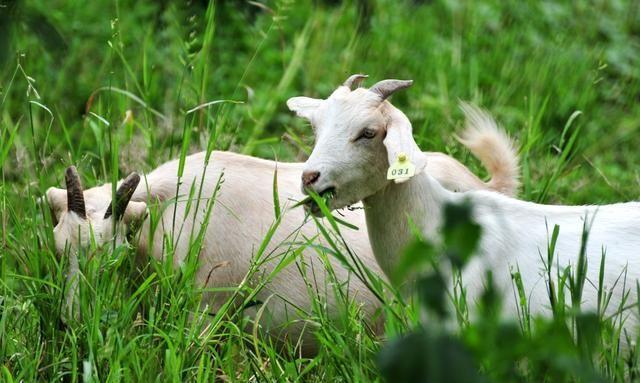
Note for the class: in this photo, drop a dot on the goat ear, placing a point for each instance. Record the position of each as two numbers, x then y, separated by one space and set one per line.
399 139
135 212
57 200
304 106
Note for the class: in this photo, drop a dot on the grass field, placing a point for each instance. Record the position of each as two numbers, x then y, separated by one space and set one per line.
111 87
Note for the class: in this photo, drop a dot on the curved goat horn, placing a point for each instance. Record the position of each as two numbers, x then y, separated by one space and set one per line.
354 80
75 198
386 88
123 196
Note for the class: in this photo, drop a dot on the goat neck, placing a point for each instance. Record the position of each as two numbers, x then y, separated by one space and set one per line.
398 211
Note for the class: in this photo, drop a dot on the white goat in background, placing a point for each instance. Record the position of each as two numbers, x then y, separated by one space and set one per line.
359 135
241 217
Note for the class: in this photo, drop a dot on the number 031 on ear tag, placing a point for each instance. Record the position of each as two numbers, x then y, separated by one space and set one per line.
402 168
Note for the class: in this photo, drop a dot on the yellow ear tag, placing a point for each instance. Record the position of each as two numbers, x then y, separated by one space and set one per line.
402 168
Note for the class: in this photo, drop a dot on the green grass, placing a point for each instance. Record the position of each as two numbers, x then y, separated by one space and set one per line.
563 79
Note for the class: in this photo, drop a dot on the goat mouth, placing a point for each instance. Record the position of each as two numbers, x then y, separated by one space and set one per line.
326 194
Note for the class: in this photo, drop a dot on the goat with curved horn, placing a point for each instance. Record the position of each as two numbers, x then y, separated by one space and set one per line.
354 80
386 88
123 196
75 198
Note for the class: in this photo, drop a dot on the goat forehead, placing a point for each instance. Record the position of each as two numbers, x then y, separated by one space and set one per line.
340 116
69 220
97 197
351 102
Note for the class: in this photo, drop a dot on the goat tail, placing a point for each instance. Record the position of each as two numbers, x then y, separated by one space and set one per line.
493 147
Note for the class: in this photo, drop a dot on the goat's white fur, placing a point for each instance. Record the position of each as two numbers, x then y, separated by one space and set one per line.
514 233
241 217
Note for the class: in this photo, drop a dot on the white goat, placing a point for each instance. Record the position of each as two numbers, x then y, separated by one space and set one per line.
359 135
241 217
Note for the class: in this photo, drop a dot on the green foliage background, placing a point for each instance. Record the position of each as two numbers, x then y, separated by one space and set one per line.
562 77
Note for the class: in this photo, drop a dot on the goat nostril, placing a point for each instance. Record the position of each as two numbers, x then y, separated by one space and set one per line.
309 178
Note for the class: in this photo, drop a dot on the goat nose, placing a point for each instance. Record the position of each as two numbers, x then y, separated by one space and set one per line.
309 178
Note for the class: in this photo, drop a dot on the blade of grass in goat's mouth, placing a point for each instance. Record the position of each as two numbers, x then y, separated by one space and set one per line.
308 201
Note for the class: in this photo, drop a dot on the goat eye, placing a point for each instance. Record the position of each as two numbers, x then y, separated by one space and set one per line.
367 133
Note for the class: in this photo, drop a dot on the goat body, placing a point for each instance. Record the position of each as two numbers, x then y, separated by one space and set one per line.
515 234
242 215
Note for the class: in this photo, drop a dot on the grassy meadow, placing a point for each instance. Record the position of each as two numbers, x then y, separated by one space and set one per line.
116 86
